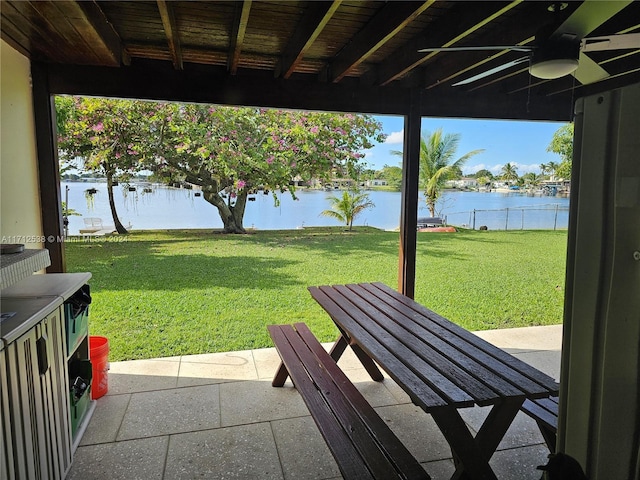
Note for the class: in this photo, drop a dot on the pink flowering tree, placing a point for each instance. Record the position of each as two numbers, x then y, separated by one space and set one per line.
227 151
230 152
104 135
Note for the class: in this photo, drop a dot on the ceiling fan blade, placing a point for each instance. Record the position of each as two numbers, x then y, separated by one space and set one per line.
589 71
589 16
490 72
611 42
516 48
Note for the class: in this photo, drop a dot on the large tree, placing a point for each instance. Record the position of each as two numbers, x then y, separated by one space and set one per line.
229 152
108 136
562 144
437 164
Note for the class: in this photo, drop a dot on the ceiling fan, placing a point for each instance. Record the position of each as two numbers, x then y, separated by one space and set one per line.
560 51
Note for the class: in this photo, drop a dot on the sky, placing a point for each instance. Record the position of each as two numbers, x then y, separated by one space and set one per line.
521 143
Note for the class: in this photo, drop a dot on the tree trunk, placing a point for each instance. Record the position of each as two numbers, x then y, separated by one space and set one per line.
112 205
231 215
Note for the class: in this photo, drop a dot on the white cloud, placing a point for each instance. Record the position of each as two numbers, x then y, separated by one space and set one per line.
395 137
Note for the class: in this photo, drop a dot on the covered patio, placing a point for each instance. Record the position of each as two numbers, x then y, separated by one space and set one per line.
217 416
351 56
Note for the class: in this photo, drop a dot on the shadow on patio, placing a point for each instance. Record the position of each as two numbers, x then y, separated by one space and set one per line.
217 416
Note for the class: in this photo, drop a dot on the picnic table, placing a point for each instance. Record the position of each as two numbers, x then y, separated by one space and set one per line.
441 366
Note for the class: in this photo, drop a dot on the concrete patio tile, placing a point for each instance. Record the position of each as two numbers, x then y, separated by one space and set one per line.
171 411
548 337
258 401
139 459
106 419
216 368
523 431
302 450
143 375
267 362
242 452
546 361
417 431
519 463
376 393
440 469
395 390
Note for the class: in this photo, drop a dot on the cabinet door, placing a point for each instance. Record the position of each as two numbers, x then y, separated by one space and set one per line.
25 396
55 391
7 466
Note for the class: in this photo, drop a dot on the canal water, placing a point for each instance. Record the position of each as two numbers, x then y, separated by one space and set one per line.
173 208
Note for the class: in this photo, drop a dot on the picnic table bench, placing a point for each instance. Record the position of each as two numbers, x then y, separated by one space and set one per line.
361 442
545 412
441 366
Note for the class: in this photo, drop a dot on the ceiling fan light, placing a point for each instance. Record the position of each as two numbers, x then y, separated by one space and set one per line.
553 68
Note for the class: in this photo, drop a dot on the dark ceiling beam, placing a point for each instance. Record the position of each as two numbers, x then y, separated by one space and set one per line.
157 80
313 22
390 20
237 35
464 17
171 31
97 29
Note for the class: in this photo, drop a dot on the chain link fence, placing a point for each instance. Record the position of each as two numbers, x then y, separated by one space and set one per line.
539 217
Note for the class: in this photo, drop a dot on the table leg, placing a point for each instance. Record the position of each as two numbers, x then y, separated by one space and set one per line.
472 455
470 460
370 366
280 376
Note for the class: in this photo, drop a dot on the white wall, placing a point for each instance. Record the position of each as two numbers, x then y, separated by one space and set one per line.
20 214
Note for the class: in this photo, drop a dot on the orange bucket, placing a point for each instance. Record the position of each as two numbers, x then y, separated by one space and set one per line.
99 356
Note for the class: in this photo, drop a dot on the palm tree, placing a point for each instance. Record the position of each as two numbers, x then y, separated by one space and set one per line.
544 168
553 166
509 172
347 207
437 151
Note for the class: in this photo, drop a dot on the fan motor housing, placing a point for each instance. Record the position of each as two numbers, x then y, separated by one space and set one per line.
555 58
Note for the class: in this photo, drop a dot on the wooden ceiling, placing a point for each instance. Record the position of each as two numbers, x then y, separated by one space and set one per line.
334 55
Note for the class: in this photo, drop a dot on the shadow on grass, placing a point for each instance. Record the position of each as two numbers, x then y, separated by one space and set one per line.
149 271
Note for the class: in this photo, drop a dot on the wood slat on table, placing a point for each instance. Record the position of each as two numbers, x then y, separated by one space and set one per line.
379 322
369 336
505 358
417 389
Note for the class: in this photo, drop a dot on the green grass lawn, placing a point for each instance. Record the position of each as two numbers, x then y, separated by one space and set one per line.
166 293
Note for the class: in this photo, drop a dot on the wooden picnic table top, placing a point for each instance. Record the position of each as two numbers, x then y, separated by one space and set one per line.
437 362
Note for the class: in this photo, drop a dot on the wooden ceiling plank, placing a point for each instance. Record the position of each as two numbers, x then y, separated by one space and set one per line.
237 35
307 31
14 36
470 16
43 39
66 29
98 29
171 31
390 20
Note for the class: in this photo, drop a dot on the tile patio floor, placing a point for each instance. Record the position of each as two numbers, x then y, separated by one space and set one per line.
216 416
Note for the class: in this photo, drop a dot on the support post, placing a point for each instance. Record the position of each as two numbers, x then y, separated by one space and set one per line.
409 198
48 172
